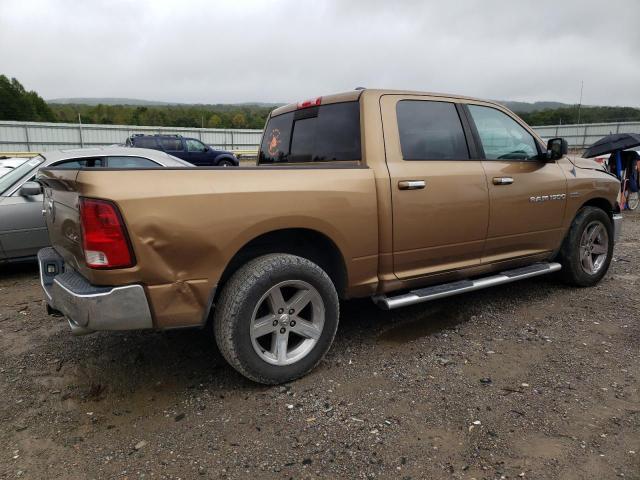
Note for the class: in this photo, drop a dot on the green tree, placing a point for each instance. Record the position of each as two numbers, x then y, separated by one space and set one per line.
239 120
214 121
18 104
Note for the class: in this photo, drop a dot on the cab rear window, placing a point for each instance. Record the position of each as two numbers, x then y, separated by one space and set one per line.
326 133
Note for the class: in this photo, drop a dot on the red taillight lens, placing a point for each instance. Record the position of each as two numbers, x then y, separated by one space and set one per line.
104 239
310 103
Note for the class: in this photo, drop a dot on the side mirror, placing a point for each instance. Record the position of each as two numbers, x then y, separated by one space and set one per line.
206 149
557 148
30 189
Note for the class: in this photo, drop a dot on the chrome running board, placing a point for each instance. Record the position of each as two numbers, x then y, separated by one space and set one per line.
454 288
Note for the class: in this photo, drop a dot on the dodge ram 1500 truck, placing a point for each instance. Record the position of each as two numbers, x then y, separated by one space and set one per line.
400 196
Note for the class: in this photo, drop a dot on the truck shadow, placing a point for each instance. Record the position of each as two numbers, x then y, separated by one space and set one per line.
188 359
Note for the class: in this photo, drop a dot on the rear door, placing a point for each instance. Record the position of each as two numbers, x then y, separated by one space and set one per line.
174 146
438 186
527 193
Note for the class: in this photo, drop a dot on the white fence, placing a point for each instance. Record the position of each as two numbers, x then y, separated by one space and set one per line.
35 137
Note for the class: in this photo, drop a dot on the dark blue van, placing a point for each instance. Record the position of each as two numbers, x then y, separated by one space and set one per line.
188 149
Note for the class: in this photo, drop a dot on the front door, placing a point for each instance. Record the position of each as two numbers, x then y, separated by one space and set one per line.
440 201
22 228
197 152
527 193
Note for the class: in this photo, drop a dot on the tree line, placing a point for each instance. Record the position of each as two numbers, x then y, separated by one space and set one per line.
199 116
16 103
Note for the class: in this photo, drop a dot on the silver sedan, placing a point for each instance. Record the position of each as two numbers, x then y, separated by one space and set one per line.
22 227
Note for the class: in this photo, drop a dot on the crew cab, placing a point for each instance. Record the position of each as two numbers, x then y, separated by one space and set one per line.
403 197
191 150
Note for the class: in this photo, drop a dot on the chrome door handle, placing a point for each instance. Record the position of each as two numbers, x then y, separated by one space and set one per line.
411 184
502 180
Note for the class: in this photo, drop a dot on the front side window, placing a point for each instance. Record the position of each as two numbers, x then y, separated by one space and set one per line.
501 136
194 145
80 163
430 131
326 133
172 144
8 180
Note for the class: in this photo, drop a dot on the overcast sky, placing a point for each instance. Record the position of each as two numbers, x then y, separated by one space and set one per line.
287 50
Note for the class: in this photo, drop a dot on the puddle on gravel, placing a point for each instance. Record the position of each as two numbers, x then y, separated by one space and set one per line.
410 330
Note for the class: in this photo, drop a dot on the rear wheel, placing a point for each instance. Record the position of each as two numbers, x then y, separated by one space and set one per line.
587 250
276 318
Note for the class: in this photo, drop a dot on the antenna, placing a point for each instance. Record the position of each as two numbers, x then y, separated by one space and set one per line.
580 101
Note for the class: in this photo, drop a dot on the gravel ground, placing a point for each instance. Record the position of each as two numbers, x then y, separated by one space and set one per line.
532 380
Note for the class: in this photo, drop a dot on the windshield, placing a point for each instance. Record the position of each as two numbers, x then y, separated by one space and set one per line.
9 179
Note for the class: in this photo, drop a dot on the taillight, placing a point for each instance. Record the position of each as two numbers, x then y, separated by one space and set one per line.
314 102
104 239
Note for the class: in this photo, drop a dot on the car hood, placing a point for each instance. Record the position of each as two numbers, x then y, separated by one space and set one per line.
586 163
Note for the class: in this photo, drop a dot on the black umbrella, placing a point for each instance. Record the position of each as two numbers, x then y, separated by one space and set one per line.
612 143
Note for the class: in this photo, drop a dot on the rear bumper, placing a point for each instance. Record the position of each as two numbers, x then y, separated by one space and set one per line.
90 308
617 226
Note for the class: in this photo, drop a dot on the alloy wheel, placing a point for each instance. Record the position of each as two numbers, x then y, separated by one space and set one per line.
287 322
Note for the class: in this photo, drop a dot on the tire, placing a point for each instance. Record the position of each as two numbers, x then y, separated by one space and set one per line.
633 200
225 163
250 321
587 249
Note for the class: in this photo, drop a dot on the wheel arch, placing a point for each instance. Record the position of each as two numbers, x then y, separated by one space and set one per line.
601 203
225 156
304 242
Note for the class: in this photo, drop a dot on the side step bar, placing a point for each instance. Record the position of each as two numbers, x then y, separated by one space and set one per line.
454 288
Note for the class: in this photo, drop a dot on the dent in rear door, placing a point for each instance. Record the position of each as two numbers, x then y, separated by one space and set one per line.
442 226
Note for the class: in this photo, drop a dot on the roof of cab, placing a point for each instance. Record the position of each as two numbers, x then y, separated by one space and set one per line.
354 95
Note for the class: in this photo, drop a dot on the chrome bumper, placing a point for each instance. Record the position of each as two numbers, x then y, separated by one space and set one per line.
87 307
617 226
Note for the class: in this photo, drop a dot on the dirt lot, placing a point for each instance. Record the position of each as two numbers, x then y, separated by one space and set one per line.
532 380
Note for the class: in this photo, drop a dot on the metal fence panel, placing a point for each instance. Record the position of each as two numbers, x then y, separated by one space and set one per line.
581 136
33 136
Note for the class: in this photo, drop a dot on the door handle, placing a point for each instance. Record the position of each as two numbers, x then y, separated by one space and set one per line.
502 180
411 184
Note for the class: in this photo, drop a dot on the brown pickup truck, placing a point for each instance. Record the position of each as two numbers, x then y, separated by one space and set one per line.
403 197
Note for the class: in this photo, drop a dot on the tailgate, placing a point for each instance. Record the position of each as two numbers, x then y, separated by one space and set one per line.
62 215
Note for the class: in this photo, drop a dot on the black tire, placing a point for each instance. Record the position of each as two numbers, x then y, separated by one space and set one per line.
241 296
569 256
226 163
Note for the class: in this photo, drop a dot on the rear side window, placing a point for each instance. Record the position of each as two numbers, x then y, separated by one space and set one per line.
430 131
173 144
325 133
130 162
146 142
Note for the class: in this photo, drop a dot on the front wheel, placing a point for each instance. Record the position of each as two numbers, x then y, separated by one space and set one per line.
587 250
276 318
226 163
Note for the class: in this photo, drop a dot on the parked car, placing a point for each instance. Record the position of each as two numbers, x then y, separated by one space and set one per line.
188 149
22 228
12 162
399 196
